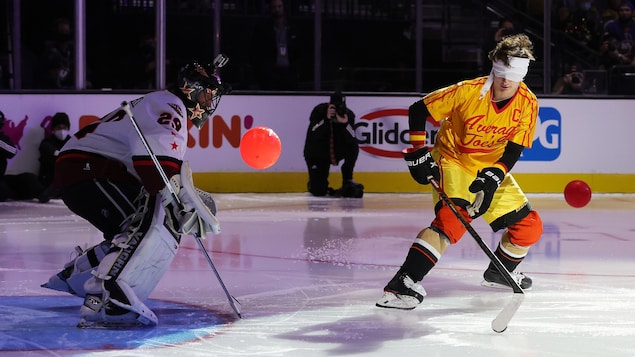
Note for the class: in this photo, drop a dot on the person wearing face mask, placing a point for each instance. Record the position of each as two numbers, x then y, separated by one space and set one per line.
49 150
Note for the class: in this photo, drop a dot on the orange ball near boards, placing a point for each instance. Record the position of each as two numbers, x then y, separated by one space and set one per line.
260 147
577 193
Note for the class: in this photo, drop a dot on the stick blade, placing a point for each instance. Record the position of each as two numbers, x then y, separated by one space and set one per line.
499 324
232 303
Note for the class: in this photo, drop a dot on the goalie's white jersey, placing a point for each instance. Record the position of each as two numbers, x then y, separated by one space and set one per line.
160 117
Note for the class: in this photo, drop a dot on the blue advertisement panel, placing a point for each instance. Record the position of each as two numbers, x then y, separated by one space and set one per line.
547 138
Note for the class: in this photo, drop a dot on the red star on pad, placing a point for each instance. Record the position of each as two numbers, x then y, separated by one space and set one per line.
175 145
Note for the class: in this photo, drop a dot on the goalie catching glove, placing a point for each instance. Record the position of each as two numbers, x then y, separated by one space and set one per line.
486 183
421 164
194 212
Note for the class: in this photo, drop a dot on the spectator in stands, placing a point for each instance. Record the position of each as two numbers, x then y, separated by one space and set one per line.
7 151
25 186
582 22
622 29
58 54
505 28
616 48
611 11
274 51
50 148
25 183
614 53
571 82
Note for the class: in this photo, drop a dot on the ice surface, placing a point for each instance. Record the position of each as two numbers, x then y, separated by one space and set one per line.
308 271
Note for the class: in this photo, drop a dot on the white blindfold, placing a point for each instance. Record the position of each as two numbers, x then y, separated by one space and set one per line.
516 71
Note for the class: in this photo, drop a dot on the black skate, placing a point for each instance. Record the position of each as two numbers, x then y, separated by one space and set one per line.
492 278
351 188
402 293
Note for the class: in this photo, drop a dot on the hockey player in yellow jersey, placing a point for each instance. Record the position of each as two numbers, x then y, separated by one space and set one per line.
485 123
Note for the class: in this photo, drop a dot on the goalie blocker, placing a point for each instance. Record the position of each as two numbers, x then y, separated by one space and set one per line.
116 277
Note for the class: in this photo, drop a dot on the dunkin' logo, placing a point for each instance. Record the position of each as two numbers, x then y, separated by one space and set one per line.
385 132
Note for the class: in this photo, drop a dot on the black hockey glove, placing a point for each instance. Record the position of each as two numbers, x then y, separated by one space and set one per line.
486 183
421 164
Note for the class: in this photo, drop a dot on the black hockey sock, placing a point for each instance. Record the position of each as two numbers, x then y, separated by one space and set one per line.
509 262
419 262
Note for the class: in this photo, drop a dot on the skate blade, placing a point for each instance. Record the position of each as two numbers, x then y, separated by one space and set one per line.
499 286
395 301
397 307
110 325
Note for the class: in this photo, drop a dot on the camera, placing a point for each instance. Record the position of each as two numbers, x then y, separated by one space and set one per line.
577 77
339 101
340 109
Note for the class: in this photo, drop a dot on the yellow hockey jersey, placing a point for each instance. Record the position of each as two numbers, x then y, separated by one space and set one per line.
474 132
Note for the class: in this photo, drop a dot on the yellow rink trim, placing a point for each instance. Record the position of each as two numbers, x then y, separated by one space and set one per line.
271 182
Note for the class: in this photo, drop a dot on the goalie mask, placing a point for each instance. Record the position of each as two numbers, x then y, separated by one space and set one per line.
201 89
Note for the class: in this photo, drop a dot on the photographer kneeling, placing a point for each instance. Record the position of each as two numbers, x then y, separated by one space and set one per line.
330 138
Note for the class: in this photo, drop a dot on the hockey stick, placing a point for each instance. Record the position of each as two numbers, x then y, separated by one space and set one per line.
499 324
126 107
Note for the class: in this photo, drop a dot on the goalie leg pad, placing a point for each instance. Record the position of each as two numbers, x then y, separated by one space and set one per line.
131 270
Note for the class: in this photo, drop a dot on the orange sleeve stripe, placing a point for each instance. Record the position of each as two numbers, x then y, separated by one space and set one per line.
417 138
501 166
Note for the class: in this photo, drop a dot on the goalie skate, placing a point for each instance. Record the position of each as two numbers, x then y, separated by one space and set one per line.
111 325
95 314
492 278
401 293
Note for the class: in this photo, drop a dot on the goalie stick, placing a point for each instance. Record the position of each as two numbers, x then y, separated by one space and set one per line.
499 324
232 300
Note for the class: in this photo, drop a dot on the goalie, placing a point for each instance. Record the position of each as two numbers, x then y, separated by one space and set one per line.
106 175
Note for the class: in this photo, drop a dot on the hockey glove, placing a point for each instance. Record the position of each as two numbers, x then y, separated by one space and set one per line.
486 183
181 216
194 213
421 164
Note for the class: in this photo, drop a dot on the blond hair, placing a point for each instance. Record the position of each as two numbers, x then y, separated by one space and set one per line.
518 45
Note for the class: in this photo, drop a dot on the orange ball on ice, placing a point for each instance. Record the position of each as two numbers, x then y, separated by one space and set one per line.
577 193
260 147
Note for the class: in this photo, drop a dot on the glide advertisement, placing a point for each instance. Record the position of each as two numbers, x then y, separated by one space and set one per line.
570 133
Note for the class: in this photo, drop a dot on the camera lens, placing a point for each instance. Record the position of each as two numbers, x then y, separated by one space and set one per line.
340 110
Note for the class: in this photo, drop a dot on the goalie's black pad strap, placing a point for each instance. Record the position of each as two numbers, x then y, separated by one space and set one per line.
92 257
